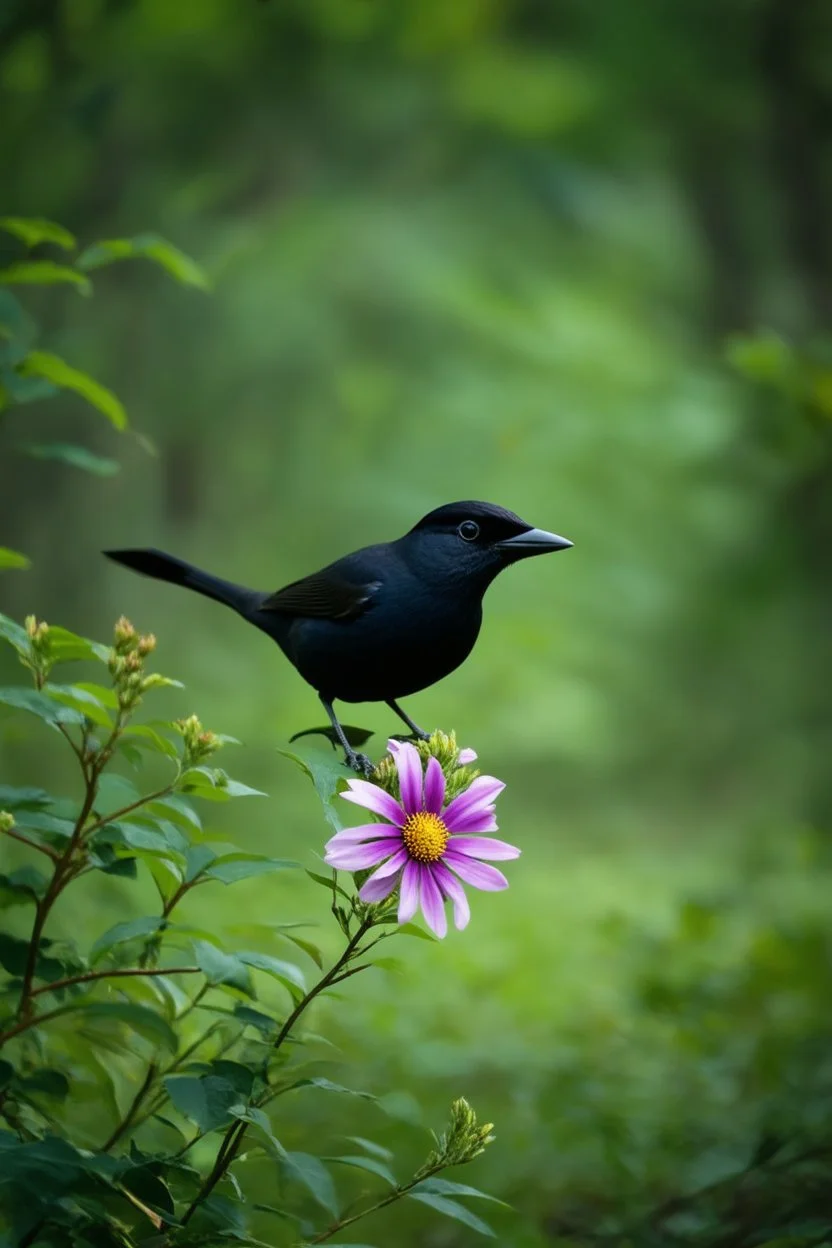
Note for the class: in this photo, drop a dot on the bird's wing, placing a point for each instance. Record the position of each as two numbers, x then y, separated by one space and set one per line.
322 596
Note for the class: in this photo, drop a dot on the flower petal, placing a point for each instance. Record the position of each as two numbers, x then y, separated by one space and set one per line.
364 832
475 873
409 767
392 865
376 889
375 799
483 847
433 904
434 787
480 793
483 820
452 888
409 896
360 857
465 757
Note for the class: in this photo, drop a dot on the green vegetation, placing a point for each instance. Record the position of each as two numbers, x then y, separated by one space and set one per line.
572 258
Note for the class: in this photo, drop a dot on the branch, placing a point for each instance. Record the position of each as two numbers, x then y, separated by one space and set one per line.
389 1199
43 849
90 975
235 1134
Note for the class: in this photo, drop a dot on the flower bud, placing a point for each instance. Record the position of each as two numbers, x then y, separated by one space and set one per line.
6 821
147 644
124 635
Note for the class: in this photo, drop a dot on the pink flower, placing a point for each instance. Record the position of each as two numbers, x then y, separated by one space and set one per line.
422 848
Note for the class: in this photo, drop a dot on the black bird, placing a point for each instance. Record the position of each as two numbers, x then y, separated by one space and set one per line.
385 621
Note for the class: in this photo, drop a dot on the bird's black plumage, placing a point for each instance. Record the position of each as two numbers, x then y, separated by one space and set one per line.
387 620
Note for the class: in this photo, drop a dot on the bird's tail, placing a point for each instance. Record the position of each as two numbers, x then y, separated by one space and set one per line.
164 567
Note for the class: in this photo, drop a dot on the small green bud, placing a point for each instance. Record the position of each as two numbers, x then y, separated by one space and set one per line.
6 821
463 1140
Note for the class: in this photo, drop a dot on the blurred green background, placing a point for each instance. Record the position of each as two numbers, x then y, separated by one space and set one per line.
573 259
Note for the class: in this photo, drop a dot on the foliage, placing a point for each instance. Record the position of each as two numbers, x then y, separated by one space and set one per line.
135 1072
29 374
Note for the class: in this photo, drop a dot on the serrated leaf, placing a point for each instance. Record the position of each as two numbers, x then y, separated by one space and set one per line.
231 868
74 456
13 559
35 230
43 273
146 247
205 1099
53 368
452 1209
371 1164
40 704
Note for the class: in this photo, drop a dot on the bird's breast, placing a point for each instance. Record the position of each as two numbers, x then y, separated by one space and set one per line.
405 641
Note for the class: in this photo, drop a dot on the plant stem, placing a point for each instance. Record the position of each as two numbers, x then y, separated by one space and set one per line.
42 849
127 1120
115 974
389 1199
234 1135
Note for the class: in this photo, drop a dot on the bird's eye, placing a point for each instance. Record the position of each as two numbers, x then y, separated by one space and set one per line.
469 530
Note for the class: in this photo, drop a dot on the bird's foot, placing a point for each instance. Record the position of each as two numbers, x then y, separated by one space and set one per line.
359 763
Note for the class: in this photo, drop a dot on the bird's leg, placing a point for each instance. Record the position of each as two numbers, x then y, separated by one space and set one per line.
403 715
359 762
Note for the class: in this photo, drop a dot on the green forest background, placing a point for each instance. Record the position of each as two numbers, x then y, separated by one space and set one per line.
575 259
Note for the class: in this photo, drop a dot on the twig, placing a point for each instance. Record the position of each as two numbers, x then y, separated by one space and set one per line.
115 974
42 849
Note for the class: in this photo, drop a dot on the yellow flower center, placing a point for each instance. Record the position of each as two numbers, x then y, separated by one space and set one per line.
425 836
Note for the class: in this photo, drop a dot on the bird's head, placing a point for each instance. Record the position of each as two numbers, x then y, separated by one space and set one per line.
477 540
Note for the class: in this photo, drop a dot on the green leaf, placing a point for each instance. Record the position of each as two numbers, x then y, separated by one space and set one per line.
205 1099
328 882
147 737
212 784
35 230
122 932
310 949
45 1082
114 792
25 885
410 929
43 273
231 868
75 456
222 968
326 1085
445 1187
138 1017
313 1174
53 368
14 634
371 1164
88 706
197 858
13 558
286 972
255 1018
147 247
12 798
370 1146
452 1210
66 647
40 704
325 772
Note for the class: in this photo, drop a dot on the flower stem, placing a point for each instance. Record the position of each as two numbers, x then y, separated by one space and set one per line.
389 1199
233 1138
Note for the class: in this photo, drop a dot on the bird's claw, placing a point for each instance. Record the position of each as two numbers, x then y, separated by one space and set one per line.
359 763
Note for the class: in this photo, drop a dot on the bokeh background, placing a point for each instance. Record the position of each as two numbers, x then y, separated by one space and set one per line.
574 259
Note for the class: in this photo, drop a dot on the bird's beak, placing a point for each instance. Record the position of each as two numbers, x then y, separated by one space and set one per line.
534 542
